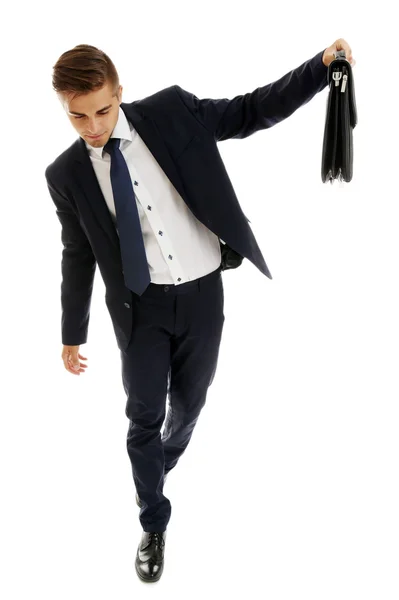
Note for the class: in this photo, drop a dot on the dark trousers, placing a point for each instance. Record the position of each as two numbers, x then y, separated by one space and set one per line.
173 352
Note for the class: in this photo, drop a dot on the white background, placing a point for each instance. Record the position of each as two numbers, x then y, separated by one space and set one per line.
289 487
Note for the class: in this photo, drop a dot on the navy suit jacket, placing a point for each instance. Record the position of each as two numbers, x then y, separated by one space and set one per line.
181 132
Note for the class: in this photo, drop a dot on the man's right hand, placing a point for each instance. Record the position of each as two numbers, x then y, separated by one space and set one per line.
70 356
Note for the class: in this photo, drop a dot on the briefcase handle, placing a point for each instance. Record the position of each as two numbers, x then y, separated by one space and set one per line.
340 54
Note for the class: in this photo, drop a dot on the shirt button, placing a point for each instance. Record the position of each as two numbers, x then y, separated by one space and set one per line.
149 207
160 232
135 183
179 279
127 305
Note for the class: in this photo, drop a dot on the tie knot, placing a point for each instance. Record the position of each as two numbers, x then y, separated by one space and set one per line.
112 145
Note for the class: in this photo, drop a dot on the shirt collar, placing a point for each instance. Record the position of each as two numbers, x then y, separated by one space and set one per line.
121 130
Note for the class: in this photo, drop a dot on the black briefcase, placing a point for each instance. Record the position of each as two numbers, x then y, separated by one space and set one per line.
341 119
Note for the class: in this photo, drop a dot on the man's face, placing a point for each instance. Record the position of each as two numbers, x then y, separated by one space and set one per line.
98 114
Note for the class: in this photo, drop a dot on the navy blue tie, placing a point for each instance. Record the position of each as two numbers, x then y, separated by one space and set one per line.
134 258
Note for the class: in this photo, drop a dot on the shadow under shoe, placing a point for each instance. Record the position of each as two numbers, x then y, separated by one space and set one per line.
138 501
150 556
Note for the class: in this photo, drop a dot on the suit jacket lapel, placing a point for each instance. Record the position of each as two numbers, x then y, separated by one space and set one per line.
86 179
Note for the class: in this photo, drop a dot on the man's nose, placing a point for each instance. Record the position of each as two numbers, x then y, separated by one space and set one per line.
93 127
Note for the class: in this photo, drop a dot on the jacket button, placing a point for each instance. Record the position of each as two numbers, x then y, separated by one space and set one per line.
127 305
166 288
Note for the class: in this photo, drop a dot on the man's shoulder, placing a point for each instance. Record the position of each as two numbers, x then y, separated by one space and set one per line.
61 162
157 99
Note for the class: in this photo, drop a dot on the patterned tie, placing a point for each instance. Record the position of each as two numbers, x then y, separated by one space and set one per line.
134 259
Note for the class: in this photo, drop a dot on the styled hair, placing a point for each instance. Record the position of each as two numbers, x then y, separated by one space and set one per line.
82 70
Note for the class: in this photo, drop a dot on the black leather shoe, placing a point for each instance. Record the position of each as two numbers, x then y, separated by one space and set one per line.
150 556
138 501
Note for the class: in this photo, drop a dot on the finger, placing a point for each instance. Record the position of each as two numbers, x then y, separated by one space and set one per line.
74 363
343 45
80 364
72 371
83 357
69 368
76 371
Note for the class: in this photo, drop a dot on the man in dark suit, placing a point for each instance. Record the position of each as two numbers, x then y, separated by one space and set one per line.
144 194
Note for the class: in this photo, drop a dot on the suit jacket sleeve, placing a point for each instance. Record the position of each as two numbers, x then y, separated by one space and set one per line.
78 267
264 107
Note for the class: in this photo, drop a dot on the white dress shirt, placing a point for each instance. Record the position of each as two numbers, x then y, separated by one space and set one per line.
178 246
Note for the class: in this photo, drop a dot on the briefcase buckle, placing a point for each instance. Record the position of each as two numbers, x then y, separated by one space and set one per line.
337 76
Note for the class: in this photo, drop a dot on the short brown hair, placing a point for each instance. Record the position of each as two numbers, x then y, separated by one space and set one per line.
84 69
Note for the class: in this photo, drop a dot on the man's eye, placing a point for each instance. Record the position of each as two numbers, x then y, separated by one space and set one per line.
104 113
